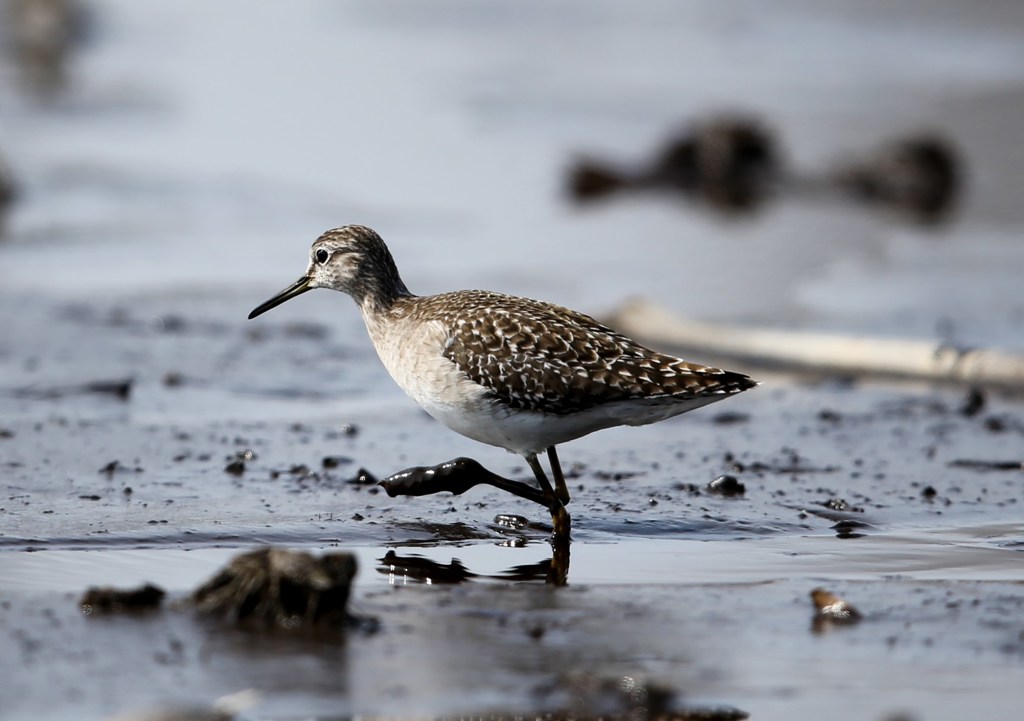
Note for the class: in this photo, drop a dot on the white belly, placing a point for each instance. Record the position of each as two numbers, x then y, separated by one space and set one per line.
414 359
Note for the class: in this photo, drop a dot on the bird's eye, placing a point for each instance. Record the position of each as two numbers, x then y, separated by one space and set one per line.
321 256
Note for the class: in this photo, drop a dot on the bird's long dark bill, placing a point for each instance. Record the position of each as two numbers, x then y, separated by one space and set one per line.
297 288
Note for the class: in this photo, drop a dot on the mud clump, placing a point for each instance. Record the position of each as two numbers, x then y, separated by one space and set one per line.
731 164
108 600
279 588
728 163
919 176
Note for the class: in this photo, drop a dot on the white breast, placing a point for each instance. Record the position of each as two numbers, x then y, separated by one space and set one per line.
413 354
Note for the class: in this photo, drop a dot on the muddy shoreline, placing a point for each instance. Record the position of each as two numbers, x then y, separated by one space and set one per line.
170 174
860 486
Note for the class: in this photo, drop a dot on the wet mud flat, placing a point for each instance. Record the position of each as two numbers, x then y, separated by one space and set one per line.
212 437
148 434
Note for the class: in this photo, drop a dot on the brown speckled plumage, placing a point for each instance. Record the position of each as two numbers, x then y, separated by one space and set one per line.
536 356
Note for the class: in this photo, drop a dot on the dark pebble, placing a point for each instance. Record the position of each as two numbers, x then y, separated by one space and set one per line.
837 504
363 478
848 529
727 486
730 418
119 389
335 461
995 424
235 468
973 404
983 465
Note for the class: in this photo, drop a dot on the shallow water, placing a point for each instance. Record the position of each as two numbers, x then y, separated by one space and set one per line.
176 182
982 553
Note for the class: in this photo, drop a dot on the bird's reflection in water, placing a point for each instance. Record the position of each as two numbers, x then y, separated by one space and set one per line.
417 569
412 568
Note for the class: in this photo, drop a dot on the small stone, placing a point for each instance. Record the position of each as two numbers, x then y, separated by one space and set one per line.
511 520
837 504
363 478
831 609
728 486
335 461
973 403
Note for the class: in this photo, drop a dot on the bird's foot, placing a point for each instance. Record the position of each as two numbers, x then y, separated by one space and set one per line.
456 476
460 474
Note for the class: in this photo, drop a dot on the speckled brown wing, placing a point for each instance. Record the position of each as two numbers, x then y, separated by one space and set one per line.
536 356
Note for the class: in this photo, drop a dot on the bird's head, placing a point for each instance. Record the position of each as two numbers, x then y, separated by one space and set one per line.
352 259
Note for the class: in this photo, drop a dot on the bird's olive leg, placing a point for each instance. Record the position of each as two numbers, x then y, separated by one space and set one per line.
559 516
556 470
558 569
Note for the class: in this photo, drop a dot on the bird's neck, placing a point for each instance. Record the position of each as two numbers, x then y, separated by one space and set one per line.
379 285
377 300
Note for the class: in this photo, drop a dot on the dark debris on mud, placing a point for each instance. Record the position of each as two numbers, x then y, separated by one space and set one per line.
276 587
108 600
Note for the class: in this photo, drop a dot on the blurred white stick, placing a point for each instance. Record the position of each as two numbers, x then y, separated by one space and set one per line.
834 353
